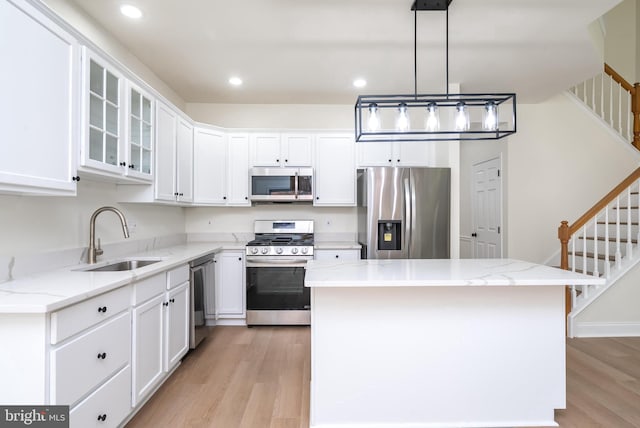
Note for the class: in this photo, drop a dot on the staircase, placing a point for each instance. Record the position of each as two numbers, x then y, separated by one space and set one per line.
604 241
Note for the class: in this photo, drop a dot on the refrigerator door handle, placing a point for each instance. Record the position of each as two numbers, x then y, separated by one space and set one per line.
414 214
408 219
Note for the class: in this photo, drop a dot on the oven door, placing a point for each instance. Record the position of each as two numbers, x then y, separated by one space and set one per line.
276 293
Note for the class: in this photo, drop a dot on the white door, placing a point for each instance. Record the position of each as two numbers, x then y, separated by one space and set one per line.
487 209
165 171
335 173
148 347
177 325
238 170
209 167
184 161
230 293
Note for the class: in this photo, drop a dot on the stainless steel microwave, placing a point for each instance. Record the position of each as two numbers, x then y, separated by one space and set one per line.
281 184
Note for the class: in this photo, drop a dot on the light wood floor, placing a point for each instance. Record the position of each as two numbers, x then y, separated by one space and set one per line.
259 378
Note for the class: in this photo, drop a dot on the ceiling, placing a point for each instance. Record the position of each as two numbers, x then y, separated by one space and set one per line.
303 51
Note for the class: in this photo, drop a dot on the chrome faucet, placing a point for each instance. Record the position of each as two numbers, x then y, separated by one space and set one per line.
93 251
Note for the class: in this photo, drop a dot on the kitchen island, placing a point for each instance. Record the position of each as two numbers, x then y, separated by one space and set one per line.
437 343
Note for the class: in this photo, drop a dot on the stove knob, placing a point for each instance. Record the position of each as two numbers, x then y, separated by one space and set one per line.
294 251
304 250
254 250
265 250
279 250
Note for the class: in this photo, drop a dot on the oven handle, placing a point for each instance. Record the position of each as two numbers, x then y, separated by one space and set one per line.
275 263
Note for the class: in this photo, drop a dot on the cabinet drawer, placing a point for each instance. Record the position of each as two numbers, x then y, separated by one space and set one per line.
337 254
73 319
110 402
148 288
80 365
177 276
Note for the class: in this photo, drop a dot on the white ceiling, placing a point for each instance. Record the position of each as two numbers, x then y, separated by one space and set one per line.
303 51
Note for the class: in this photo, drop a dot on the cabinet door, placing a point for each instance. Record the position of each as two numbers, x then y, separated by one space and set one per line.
148 347
238 170
335 171
102 142
139 134
230 286
297 150
184 161
38 83
414 153
209 167
265 150
375 154
165 174
177 325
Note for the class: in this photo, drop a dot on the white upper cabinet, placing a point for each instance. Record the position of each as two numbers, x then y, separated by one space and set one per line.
102 133
174 156
409 153
238 169
140 126
335 170
210 167
281 150
39 103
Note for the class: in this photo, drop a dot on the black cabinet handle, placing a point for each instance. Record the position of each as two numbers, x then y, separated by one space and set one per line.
76 178
175 194
165 303
102 356
474 235
180 194
132 166
123 164
172 300
102 417
102 309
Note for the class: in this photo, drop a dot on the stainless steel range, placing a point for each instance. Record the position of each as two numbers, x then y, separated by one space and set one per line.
275 262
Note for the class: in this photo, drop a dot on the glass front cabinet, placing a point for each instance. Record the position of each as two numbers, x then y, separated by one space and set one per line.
117 126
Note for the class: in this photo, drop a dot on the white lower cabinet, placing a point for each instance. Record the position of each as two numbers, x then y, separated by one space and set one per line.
230 284
107 407
160 329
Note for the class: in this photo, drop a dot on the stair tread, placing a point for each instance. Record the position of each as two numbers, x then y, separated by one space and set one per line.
613 223
590 255
602 238
588 272
625 208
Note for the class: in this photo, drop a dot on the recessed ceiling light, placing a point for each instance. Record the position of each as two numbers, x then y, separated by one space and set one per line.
359 83
235 81
130 11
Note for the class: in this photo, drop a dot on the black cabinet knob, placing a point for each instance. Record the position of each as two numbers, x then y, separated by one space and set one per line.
132 166
398 160
102 309
246 198
76 178
123 164
286 160
102 356
180 194
175 194
240 258
278 160
102 417
224 197
317 198
474 235
389 160
337 256
172 300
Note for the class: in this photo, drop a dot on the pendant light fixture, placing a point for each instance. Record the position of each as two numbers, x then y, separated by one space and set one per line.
443 117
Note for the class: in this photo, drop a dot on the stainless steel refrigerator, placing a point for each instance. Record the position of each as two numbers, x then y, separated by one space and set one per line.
404 213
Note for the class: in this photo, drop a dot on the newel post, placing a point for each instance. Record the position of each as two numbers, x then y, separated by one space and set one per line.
635 109
563 236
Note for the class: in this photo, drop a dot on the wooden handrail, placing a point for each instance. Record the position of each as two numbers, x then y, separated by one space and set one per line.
634 91
621 80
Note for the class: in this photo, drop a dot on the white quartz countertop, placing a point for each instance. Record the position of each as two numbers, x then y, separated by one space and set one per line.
438 272
52 290
336 245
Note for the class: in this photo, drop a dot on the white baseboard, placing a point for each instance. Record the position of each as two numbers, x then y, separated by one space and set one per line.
229 321
606 329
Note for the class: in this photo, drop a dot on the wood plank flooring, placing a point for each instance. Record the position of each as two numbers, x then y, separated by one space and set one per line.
259 378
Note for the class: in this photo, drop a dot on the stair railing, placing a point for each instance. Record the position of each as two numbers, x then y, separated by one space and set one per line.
612 213
615 100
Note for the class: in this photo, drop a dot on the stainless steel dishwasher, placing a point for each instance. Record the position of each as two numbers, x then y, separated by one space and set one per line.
202 277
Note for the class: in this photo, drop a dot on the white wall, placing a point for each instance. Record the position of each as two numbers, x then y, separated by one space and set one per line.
621 40
561 162
36 224
98 35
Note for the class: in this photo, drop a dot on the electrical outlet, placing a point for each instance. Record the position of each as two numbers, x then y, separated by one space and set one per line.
133 228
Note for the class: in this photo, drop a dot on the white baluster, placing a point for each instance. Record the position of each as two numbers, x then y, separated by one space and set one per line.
629 249
595 247
584 249
574 296
638 216
620 89
573 254
610 103
618 253
607 263
593 94
629 133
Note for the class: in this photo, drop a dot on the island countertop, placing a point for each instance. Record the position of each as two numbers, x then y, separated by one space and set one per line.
439 272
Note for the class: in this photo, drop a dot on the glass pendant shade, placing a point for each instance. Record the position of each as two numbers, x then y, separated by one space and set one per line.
490 120
433 118
373 124
462 117
402 122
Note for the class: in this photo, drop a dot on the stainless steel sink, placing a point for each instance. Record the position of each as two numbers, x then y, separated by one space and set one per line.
122 265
